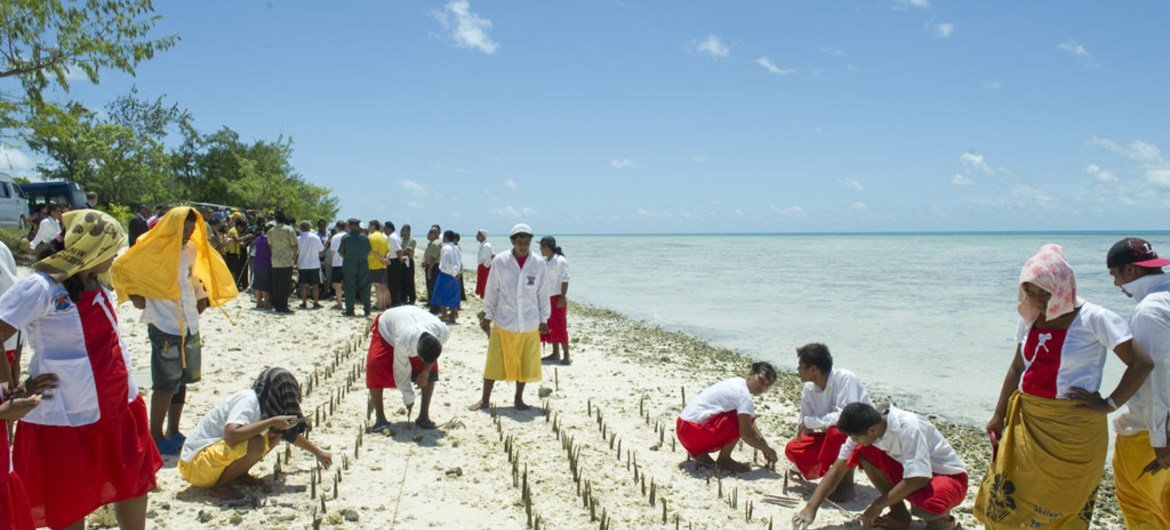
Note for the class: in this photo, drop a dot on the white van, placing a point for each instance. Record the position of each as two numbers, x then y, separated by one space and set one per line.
13 204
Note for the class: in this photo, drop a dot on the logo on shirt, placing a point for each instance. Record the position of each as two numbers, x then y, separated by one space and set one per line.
531 279
62 303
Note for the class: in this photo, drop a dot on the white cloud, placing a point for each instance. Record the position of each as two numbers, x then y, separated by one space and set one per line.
974 163
1161 177
852 184
790 211
413 187
491 196
511 184
770 66
960 179
992 85
1137 150
943 30
14 160
1100 174
713 46
468 29
857 206
1082 55
920 4
653 214
512 212
699 158
832 50
624 163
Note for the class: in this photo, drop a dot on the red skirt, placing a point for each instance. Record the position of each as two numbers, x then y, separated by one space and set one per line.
481 277
15 513
942 493
710 436
380 362
71 471
815 452
558 325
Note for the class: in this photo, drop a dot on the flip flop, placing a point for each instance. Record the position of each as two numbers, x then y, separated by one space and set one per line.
424 424
170 446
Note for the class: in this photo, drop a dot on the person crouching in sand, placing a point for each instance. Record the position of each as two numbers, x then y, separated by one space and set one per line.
405 345
724 414
241 429
827 391
906 458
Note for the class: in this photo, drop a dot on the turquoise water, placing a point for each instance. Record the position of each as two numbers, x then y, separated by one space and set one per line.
926 318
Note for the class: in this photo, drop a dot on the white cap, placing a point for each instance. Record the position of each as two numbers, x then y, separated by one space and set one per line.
521 229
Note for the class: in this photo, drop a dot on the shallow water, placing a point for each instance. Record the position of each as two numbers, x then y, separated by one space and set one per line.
927 318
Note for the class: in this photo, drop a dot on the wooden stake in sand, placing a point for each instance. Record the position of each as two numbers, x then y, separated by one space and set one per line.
557 379
683 390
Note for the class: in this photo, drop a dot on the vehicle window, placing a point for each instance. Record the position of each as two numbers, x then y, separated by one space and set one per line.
5 190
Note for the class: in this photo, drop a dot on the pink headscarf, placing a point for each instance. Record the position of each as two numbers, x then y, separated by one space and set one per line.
1049 271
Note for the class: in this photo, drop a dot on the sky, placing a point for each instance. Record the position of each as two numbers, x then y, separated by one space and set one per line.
689 117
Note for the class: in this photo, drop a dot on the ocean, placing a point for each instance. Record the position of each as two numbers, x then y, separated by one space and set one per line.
927 319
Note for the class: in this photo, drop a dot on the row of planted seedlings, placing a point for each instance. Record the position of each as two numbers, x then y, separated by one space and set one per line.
650 492
519 471
336 380
584 487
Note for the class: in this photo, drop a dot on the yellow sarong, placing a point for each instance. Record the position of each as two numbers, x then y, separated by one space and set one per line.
1145 502
513 356
205 468
1049 466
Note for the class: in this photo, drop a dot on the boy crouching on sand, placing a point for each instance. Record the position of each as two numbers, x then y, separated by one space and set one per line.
405 345
239 431
905 457
722 415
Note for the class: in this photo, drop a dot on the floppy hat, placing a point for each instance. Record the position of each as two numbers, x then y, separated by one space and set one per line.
1134 251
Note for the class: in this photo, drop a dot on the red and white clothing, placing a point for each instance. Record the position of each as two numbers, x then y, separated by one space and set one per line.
1055 360
913 447
393 354
816 449
558 324
483 266
90 444
711 420
8 278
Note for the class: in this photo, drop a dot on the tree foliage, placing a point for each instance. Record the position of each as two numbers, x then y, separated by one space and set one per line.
44 42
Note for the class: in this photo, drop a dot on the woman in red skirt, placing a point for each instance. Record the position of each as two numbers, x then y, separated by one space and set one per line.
558 324
90 444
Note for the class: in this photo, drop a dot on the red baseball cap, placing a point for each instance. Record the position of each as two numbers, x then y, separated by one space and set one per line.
1134 251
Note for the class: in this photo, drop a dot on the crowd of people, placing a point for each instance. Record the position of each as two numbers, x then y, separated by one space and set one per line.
1048 432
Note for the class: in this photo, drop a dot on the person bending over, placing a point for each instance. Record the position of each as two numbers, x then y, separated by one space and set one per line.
724 414
241 429
404 347
906 458
826 393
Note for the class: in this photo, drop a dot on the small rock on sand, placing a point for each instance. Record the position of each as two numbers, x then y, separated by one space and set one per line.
204 516
455 472
544 392
350 515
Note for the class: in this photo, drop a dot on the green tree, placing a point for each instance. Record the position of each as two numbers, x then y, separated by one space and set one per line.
43 41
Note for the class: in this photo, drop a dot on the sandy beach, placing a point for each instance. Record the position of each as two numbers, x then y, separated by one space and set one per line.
596 450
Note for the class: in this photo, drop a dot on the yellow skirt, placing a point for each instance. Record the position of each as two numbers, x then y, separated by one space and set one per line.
1049 466
1145 502
513 356
205 468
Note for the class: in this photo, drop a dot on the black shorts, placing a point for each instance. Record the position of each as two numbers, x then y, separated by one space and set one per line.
308 276
377 275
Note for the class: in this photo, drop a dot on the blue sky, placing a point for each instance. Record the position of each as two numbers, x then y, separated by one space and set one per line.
621 116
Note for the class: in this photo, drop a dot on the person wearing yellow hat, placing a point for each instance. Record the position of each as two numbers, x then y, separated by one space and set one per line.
173 275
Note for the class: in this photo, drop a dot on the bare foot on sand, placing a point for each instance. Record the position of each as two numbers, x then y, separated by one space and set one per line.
249 480
948 523
520 405
478 405
889 520
732 466
551 357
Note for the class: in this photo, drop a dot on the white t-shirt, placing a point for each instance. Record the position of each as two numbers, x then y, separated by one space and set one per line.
335 246
7 280
309 249
819 409
732 394
164 314
47 231
485 254
395 246
402 326
240 408
558 269
1092 333
915 443
1149 408
450 260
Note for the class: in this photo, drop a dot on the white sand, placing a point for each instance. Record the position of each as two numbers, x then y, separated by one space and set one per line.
461 477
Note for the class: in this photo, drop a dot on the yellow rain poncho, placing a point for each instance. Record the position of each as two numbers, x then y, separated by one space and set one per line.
150 268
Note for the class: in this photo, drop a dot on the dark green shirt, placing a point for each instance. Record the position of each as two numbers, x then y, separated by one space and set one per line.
355 246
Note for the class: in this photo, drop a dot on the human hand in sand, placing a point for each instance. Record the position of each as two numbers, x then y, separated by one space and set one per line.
770 455
869 517
804 518
1091 401
325 459
15 409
